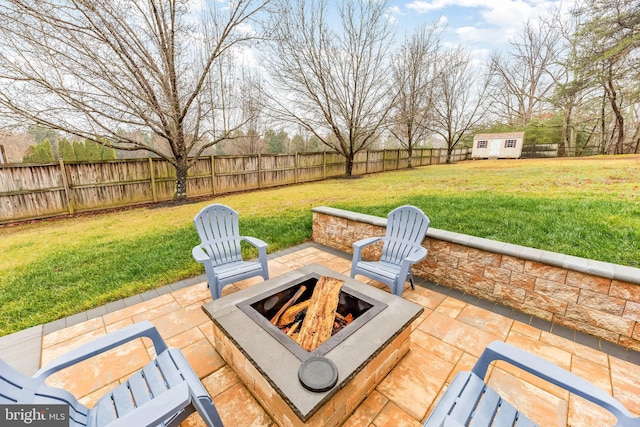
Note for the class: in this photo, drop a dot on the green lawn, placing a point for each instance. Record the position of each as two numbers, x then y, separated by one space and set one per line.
583 207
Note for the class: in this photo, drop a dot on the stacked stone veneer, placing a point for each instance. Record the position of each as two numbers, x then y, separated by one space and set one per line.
597 298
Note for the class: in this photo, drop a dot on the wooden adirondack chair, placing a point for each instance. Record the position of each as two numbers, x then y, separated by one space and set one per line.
220 251
402 247
469 401
163 393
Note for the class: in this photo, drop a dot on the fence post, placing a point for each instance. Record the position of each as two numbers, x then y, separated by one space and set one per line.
67 191
152 174
259 171
324 165
384 159
213 175
366 165
398 160
295 169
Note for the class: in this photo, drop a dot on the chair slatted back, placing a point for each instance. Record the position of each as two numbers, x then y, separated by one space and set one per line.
478 404
406 228
218 229
153 380
17 388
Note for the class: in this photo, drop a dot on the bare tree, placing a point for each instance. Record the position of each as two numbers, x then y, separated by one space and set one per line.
253 105
522 77
332 79
104 69
460 100
608 51
413 74
571 85
247 139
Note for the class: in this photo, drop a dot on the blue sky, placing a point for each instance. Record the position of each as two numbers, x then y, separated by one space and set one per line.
480 25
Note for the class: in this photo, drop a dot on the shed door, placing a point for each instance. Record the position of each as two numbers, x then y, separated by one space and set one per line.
494 148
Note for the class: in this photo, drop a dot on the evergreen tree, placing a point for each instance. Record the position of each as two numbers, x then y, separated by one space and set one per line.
39 153
107 153
92 151
65 150
80 150
276 141
544 131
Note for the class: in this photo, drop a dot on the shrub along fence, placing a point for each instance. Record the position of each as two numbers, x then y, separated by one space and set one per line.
32 191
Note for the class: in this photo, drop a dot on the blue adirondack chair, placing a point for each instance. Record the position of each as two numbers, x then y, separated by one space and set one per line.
402 247
220 251
163 393
469 401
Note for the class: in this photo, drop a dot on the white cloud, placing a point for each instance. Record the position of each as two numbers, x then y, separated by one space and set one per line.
246 29
481 37
245 56
494 12
421 6
484 24
393 13
468 33
480 56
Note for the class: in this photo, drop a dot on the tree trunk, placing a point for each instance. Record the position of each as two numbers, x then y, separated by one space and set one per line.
181 180
565 143
613 100
603 140
410 153
449 151
349 164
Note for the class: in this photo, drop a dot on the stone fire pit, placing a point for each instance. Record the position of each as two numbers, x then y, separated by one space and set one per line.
268 361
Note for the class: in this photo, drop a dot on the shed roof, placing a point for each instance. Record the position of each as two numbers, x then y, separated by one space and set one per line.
504 135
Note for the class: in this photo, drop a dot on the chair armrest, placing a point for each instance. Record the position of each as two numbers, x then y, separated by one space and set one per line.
103 344
199 254
357 251
155 411
554 374
365 242
254 241
418 255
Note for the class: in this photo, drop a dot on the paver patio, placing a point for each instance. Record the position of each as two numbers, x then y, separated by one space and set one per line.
448 337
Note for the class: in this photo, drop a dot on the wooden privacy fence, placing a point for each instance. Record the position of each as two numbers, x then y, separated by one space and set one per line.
32 191
537 151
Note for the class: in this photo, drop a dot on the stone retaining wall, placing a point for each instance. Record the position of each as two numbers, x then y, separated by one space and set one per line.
594 297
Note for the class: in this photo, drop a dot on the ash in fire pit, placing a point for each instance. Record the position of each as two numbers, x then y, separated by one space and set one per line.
282 312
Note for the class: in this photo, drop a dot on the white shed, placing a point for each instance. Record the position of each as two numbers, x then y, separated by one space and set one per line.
506 145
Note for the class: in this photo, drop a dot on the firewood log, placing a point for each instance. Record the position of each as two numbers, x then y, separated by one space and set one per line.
293 299
290 314
318 322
